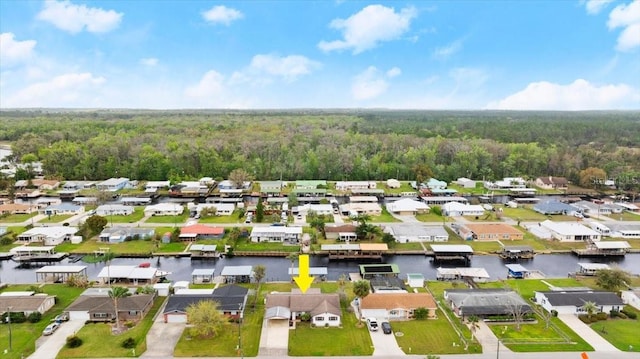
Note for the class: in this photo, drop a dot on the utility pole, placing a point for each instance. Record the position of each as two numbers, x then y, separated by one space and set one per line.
240 330
9 324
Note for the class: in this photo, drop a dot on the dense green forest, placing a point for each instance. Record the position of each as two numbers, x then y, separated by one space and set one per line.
334 145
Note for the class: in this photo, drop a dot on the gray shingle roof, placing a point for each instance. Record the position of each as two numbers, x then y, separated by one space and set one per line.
578 298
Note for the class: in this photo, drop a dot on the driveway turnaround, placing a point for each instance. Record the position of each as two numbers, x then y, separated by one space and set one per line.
585 332
48 347
162 338
274 338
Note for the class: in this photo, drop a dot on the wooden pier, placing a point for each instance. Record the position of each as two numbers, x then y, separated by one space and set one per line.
604 249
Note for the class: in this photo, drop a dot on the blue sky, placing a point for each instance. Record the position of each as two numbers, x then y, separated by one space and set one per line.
548 55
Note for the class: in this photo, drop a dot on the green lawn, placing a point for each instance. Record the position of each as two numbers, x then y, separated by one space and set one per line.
432 217
137 215
622 333
169 219
247 245
56 219
404 187
221 219
625 216
17 218
99 342
523 213
431 336
171 247
385 217
349 340
91 245
24 335
536 337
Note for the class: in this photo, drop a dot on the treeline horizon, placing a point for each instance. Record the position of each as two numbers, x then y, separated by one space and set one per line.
325 144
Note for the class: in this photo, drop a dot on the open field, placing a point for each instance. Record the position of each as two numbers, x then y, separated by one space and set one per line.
17 218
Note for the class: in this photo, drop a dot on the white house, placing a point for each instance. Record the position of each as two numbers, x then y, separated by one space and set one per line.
570 231
455 209
164 209
393 183
631 297
276 234
48 236
572 302
407 206
355 185
222 209
372 209
396 306
156 185
506 183
626 230
62 209
113 184
406 232
324 308
465 182
319 209
114 210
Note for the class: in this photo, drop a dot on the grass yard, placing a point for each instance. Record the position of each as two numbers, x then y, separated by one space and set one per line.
624 216
622 333
411 246
55 219
385 217
89 246
432 218
431 336
524 214
349 340
138 214
225 344
169 219
265 247
535 337
171 247
24 335
17 218
98 342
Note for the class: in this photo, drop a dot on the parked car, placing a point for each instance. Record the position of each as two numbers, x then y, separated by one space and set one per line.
51 328
61 318
372 324
386 327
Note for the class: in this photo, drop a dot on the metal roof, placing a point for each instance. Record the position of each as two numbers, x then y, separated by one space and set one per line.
236 270
612 245
61 269
203 271
516 268
312 271
448 248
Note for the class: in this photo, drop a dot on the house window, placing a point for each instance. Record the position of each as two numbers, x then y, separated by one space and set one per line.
320 319
133 312
333 319
100 315
393 312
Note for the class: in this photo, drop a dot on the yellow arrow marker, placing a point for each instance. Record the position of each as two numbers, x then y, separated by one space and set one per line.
303 280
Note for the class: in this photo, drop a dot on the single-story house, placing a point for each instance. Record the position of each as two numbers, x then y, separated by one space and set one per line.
121 234
114 210
164 209
200 231
407 206
626 230
489 232
550 182
572 302
554 207
455 209
324 308
271 187
393 183
372 209
114 184
16 208
26 302
222 209
340 231
97 306
594 208
506 183
40 184
465 182
319 209
351 185
631 297
156 185
396 306
231 300
62 209
441 200
48 236
405 233
570 231
485 302
276 234
310 184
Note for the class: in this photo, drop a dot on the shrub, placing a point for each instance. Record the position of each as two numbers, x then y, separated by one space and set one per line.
601 316
73 341
614 313
621 315
305 317
585 319
6 240
128 343
16 317
421 313
34 317
630 314
554 313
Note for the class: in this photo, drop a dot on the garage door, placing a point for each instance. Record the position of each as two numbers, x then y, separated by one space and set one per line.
175 318
79 315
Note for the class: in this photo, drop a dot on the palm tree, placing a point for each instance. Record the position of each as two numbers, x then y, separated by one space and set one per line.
590 308
116 293
361 289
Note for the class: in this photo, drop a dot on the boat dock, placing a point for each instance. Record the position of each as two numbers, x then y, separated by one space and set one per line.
604 249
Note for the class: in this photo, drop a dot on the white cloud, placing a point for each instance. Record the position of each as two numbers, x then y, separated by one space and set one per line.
71 89
149 61
467 78
595 6
579 95
393 72
367 28
222 15
372 83
445 52
12 51
75 18
211 84
288 67
626 16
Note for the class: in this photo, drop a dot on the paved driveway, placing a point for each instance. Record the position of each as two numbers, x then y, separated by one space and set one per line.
385 344
274 338
585 332
49 346
162 338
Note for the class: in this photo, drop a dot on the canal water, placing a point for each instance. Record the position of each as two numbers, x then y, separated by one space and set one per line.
552 265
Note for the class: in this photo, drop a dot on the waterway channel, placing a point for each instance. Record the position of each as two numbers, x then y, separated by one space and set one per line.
552 265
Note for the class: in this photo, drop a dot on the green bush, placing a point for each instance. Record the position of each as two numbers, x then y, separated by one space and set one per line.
16 317
34 317
129 343
601 316
621 315
554 313
73 341
585 319
630 314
